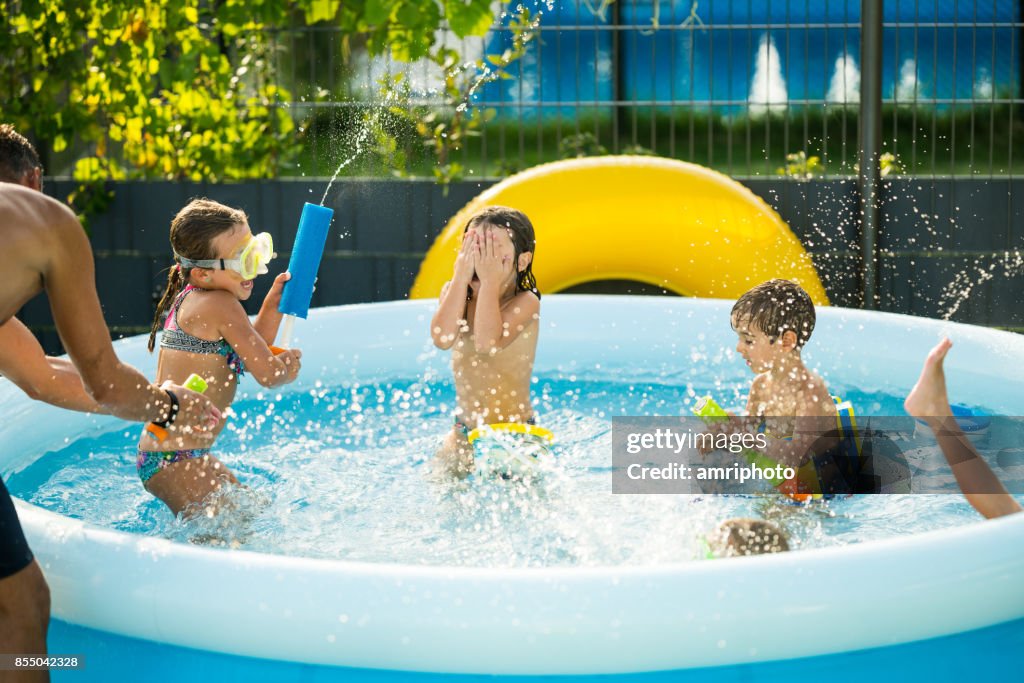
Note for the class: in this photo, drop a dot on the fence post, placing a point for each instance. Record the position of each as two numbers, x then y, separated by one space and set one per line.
1020 54
870 144
618 77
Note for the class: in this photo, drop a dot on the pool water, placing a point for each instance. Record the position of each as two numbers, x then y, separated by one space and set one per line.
343 472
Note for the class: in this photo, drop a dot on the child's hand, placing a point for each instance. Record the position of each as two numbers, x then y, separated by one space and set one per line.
490 268
466 260
290 358
273 298
729 426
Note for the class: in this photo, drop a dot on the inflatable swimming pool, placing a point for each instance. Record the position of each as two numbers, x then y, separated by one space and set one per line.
552 620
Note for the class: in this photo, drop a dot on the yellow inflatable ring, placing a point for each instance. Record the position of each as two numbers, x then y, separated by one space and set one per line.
668 223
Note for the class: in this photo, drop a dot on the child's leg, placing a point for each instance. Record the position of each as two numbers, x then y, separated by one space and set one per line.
928 397
456 454
190 481
928 401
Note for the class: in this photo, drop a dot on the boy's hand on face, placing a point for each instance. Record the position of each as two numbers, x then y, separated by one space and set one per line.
490 267
465 261
273 297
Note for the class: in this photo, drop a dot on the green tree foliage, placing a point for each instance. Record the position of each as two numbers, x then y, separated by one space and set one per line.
443 130
181 89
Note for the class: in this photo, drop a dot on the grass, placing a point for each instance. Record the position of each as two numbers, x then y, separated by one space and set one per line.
976 140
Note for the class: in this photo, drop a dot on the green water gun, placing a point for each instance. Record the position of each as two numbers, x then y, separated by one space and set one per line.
708 410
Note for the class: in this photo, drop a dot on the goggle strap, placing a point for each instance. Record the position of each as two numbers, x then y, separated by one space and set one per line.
192 263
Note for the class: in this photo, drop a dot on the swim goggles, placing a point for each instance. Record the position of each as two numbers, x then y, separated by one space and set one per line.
250 263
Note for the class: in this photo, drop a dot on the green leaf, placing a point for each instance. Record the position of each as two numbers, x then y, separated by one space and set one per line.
379 11
321 10
468 17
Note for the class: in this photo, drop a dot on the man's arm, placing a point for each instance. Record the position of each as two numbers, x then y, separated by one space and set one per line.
120 389
43 378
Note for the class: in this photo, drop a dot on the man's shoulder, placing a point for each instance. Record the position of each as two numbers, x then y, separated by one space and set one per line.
23 203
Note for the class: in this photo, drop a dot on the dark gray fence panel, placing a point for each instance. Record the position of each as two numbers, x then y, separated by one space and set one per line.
960 237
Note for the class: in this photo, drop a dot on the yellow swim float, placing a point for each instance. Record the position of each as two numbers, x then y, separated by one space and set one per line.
667 223
511 449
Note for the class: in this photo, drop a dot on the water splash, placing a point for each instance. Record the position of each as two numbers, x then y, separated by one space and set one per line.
768 86
334 469
844 87
1006 264
367 127
486 75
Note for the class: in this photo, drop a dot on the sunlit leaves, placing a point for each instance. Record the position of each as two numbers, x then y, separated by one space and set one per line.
468 17
185 89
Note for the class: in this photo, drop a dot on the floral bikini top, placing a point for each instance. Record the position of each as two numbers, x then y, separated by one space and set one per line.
177 339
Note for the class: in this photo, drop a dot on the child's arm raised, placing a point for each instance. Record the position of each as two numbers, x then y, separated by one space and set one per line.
268 320
444 326
496 326
233 324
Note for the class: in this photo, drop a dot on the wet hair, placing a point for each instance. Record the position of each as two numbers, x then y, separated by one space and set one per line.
192 233
520 229
17 155
775 307
744 536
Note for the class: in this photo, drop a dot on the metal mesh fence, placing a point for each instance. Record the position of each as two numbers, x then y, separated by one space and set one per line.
748 88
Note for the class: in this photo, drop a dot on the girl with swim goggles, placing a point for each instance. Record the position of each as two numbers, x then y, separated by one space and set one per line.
252 261
209 333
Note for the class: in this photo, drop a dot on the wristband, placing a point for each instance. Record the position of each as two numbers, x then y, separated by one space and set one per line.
172 411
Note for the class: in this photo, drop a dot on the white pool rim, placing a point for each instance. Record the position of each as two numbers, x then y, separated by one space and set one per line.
556 620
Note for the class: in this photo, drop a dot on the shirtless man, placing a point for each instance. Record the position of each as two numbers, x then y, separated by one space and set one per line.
45 248
22 359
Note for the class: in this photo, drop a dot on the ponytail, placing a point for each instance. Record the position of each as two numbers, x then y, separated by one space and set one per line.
175 283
